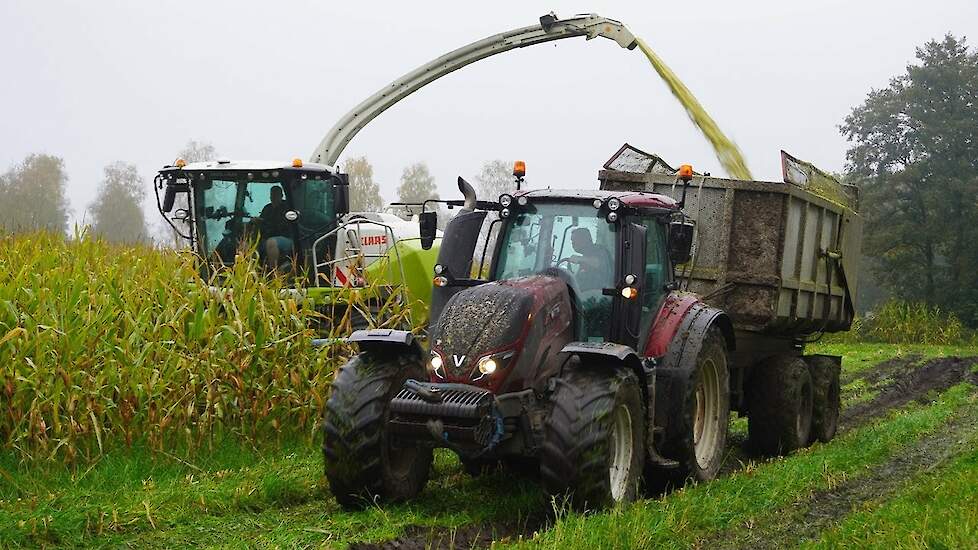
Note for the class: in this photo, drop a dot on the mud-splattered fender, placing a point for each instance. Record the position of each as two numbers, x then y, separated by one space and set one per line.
386 340
676 366
615 354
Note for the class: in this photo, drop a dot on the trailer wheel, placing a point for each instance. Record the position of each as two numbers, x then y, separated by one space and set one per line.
705 415
593 448
826 401
780 406
361 463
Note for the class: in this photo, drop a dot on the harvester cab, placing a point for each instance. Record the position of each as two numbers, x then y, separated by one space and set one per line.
363 267
281 209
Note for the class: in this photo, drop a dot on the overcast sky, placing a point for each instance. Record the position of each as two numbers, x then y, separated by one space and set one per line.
99 81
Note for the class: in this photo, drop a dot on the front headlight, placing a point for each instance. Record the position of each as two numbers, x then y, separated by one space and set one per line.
435 364
491 364
487 365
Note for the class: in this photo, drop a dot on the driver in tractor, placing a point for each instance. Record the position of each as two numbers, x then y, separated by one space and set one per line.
592 260
274 229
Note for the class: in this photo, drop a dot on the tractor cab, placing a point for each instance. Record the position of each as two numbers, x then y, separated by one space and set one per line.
601 261
279 210
587 241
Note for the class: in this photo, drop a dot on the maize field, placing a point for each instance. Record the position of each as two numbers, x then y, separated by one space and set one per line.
103 346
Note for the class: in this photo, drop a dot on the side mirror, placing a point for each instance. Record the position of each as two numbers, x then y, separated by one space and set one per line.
341 197
428 228
681 241
169 196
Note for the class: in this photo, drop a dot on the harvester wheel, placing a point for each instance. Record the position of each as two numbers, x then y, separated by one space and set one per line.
705 414
826 401
593 448
361 463
780 399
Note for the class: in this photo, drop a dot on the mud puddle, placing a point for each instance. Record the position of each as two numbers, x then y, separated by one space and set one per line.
901 382
881 370
463 537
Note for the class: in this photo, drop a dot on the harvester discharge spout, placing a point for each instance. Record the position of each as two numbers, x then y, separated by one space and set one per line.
549 29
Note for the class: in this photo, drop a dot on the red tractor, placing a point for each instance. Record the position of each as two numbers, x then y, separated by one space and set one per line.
567 346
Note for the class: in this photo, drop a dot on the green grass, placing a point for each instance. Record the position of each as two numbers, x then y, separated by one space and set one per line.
939 509
684 517
234 493
859 357
230 493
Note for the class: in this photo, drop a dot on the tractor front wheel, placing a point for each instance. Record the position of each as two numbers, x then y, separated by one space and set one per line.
361 462
594 443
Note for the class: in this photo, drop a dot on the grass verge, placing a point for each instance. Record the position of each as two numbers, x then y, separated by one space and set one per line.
938 509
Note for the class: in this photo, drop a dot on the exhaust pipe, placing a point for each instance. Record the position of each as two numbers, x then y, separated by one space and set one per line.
471 202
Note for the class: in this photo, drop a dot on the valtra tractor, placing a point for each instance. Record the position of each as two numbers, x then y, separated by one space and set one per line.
571 343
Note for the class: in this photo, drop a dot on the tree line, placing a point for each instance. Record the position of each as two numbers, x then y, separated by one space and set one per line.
914 156
33 195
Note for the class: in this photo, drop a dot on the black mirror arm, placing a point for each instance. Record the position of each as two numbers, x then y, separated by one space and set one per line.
157 184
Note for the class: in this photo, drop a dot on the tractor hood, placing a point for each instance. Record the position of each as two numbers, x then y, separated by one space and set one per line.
515 323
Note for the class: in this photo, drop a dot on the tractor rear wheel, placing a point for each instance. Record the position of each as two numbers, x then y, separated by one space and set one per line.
780 399
826 400
594 444
701 436
361 463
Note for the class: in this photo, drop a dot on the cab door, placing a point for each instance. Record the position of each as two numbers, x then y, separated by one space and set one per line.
657 274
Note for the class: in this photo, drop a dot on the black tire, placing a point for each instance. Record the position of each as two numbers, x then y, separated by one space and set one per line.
361 465
699 437
590 405
780 406
479 467
521 466
826 400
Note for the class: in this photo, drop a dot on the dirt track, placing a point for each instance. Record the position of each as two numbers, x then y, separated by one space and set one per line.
465 536
898 382
901 382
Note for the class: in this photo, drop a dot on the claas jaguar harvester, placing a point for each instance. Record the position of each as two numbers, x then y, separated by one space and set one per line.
335 257
584 352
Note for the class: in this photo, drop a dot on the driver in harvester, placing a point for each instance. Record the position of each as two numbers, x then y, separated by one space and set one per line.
593 261
275 228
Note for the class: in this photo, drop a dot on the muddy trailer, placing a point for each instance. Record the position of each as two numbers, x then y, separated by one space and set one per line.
780 258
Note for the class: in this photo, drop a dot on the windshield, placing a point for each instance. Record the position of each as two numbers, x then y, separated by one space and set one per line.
574 239
236 211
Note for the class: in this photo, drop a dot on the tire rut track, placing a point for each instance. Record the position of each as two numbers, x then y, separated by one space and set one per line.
909 381
788 526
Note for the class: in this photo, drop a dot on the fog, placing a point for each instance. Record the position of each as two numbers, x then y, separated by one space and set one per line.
96 82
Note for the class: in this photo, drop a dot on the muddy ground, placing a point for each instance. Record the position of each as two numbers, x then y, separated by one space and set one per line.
900 382
894 383
465 536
